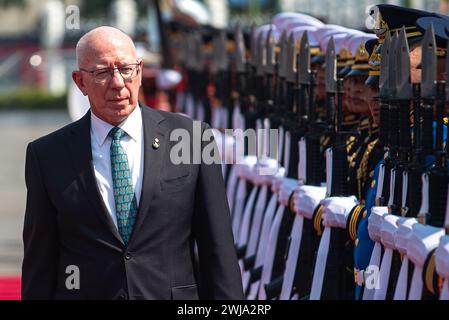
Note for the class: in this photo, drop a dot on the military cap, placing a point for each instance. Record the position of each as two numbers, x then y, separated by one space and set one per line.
346 55
373 47
281 20
323 35
441 29
361 54
264 29
313 43
351 51
391 18
340 48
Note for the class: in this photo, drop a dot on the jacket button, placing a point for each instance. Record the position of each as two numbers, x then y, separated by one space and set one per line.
128 256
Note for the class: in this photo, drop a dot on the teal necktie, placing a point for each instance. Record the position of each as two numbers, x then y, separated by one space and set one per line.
125 199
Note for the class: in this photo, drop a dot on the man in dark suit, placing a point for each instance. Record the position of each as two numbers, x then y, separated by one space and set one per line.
109 215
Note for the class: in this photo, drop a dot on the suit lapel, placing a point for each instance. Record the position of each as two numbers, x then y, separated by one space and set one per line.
81 155
153 160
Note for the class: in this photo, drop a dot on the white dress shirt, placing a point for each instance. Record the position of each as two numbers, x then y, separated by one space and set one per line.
132 143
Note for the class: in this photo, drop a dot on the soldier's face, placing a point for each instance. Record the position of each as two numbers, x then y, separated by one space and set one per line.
356 99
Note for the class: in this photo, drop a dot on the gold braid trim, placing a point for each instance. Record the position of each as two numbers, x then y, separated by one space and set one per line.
317 220
362 171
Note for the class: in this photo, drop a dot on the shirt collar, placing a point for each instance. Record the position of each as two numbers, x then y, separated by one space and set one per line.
132 125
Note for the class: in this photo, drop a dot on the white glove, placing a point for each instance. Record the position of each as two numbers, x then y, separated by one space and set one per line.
442 257
403 234
244 169
267 179
375 221
424 239
387 230
287 187
276 183
336 210
265 169
307 198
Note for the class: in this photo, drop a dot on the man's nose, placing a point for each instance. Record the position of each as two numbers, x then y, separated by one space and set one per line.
117 80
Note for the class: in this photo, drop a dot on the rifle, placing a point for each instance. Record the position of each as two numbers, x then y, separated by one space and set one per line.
223 74
306 115
439 175
241 72
426 90
385 119
403 97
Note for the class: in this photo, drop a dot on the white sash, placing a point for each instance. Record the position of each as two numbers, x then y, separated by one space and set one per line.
400 292
320 265
263 242
384 275
271 250
392 185
380 181
302 173
404 188
417 284
292 258
368 293
238 208
329 155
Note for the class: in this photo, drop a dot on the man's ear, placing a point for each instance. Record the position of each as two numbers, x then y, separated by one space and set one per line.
141 71
78 79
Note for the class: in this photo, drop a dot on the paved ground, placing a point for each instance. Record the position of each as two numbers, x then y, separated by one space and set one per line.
16 130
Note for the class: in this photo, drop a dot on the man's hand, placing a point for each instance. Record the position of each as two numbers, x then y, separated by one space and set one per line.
336 210
403 234
424 239
307 198
375 222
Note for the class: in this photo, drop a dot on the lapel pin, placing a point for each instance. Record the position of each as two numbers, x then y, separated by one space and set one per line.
156 143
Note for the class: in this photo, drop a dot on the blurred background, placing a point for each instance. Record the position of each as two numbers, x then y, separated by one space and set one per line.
37 41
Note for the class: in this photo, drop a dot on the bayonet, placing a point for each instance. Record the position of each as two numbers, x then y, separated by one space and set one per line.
304 74
254 46
331 84
240 64
260 73
331 67
240 51
304 60
392 72
282 71
403 97
439 175
403 85
270 66
270 61
260 55
290 65
281 92
429 66
383 78
290 70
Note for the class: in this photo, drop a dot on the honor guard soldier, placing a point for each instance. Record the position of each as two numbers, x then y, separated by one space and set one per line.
391 121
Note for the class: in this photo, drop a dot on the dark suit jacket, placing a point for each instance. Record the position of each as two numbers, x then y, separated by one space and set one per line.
66 223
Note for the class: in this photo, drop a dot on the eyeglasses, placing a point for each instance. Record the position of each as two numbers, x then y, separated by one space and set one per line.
104 75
